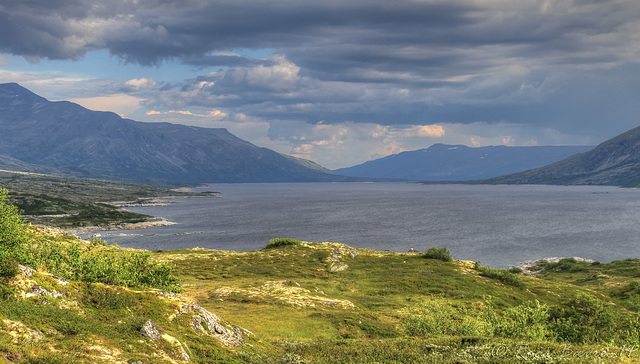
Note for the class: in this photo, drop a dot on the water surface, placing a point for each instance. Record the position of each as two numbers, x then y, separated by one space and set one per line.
496 225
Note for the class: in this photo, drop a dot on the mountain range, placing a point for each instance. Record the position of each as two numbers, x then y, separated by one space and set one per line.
615 162
442 162
64 138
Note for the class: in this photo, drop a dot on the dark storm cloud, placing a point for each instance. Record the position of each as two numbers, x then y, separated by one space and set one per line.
377 61
324 36
230 60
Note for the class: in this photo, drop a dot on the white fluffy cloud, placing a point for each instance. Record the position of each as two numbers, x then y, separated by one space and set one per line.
138 84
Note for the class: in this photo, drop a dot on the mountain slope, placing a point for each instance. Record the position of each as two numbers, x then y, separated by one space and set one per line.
442 162
64 135
615 162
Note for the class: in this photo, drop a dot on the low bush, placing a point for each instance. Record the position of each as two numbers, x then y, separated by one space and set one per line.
74 259
525 322
8 268
569 265
440 254
104 297
441 317
585 319
278 242
503 275
13 230
79 262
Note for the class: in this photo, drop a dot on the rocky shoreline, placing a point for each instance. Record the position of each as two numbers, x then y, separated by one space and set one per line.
531 266
124 226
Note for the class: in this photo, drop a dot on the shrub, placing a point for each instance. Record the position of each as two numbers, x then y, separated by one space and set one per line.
440 254
515 270
94 240
108 298
13 230
77 261
73 259
502 275
8 268
278 242
585 319
525 322
440 317
569 265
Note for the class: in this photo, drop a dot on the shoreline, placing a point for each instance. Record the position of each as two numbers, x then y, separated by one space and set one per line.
143 202
159 201
160 221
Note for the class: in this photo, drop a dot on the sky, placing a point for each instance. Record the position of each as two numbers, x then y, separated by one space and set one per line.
340 82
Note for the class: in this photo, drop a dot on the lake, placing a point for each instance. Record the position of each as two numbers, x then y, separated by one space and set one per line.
499 226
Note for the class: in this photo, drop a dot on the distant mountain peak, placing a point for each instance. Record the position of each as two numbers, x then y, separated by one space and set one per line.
66 136
14 94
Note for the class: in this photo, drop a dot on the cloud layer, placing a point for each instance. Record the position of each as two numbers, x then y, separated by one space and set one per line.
564 65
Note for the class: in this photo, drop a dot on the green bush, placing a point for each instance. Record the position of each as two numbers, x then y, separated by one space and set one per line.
108 298
441 317
94 240
79 262
569 265
73 259
440 254
502 275
525 322
8 268
515 270
278 242
13 230
585 319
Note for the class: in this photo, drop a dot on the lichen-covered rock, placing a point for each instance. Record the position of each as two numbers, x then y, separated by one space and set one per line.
149 330
39 291
18 330
228 336
338 267
26 271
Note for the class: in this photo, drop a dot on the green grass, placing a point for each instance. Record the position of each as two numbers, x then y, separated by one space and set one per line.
406 308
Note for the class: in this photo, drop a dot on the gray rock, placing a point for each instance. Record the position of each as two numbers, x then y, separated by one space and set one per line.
169 295
37 335
230 337
149 330
338 267
39 291
26 271
197 323
59 280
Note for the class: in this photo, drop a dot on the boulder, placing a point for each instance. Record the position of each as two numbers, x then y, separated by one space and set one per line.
149 330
